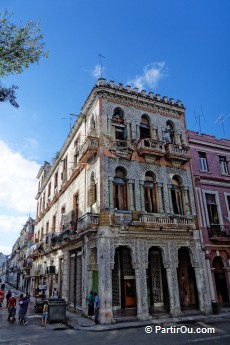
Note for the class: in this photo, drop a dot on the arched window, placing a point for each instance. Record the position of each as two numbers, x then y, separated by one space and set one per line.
169 132
92 124
177 195
120 190
144 128
120 131
150 193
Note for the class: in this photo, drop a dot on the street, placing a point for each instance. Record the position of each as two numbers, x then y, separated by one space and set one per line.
58 334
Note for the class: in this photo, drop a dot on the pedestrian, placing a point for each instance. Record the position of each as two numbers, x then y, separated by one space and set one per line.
44 314
2 293
12 306
96 307
55 293
20 311
27 298
90 302
8 295
25 303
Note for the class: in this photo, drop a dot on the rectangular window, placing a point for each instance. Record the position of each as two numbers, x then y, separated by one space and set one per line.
223 165
55 182
203 161
212 208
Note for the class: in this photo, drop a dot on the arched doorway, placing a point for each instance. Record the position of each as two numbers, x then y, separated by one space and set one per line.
187 281
220 280
123 283
157 285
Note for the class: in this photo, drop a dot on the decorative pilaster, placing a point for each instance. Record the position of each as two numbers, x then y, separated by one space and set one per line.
109 126
105 276
138 131
131 199
142 196
111 203
186 200
170 198
160 200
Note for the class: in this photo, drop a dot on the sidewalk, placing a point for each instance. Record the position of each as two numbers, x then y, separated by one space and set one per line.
79 322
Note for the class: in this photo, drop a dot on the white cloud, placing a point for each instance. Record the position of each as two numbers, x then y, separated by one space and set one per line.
151 76
98 71
18 183
6 250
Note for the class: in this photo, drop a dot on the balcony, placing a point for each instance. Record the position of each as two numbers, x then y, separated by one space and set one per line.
219 232
121 218
88 149
164 222
177 154
89 221
150 149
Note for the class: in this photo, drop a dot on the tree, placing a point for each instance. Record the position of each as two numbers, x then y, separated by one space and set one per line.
20 46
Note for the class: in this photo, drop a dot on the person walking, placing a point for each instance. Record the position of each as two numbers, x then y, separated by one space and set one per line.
20 311
96 307
2 293
55 293
8 295
25 303
90 302
44 314
12 306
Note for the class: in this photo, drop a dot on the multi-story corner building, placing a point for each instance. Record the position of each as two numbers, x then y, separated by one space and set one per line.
211 172
116 211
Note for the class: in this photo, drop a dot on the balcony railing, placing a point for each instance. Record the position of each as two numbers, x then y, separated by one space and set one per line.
89 148
89 220
151 147
177 152
217 230
167 222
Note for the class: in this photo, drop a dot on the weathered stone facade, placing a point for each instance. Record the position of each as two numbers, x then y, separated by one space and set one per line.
116 211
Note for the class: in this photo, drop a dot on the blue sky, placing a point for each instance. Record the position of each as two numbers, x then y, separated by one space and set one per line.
178 48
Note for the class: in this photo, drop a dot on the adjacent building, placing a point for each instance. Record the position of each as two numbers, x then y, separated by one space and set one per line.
116 210
211 174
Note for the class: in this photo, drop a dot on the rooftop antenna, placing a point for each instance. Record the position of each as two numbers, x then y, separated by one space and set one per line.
221 120
101 57
70 119
198 117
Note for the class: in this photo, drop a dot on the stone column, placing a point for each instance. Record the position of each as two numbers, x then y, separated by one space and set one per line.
138 131
154 133
131 199
111 203
104 276
160 201
90 280
128 130
178 139
186 200
142 197
210 280
170 198
174 297
109 126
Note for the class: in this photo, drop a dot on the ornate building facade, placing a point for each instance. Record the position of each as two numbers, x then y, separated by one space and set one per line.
116 211
210 164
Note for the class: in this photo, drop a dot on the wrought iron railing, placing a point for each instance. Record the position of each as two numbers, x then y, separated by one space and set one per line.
217 230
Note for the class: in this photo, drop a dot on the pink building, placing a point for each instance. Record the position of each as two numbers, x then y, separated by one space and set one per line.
211 175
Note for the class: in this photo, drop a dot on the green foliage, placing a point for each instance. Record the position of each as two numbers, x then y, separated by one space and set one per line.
20 46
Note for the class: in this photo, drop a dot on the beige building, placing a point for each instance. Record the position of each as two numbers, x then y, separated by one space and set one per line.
116 211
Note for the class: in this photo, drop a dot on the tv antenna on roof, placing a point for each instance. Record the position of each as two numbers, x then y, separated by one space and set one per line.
70 118
221 120
101 57
198 117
